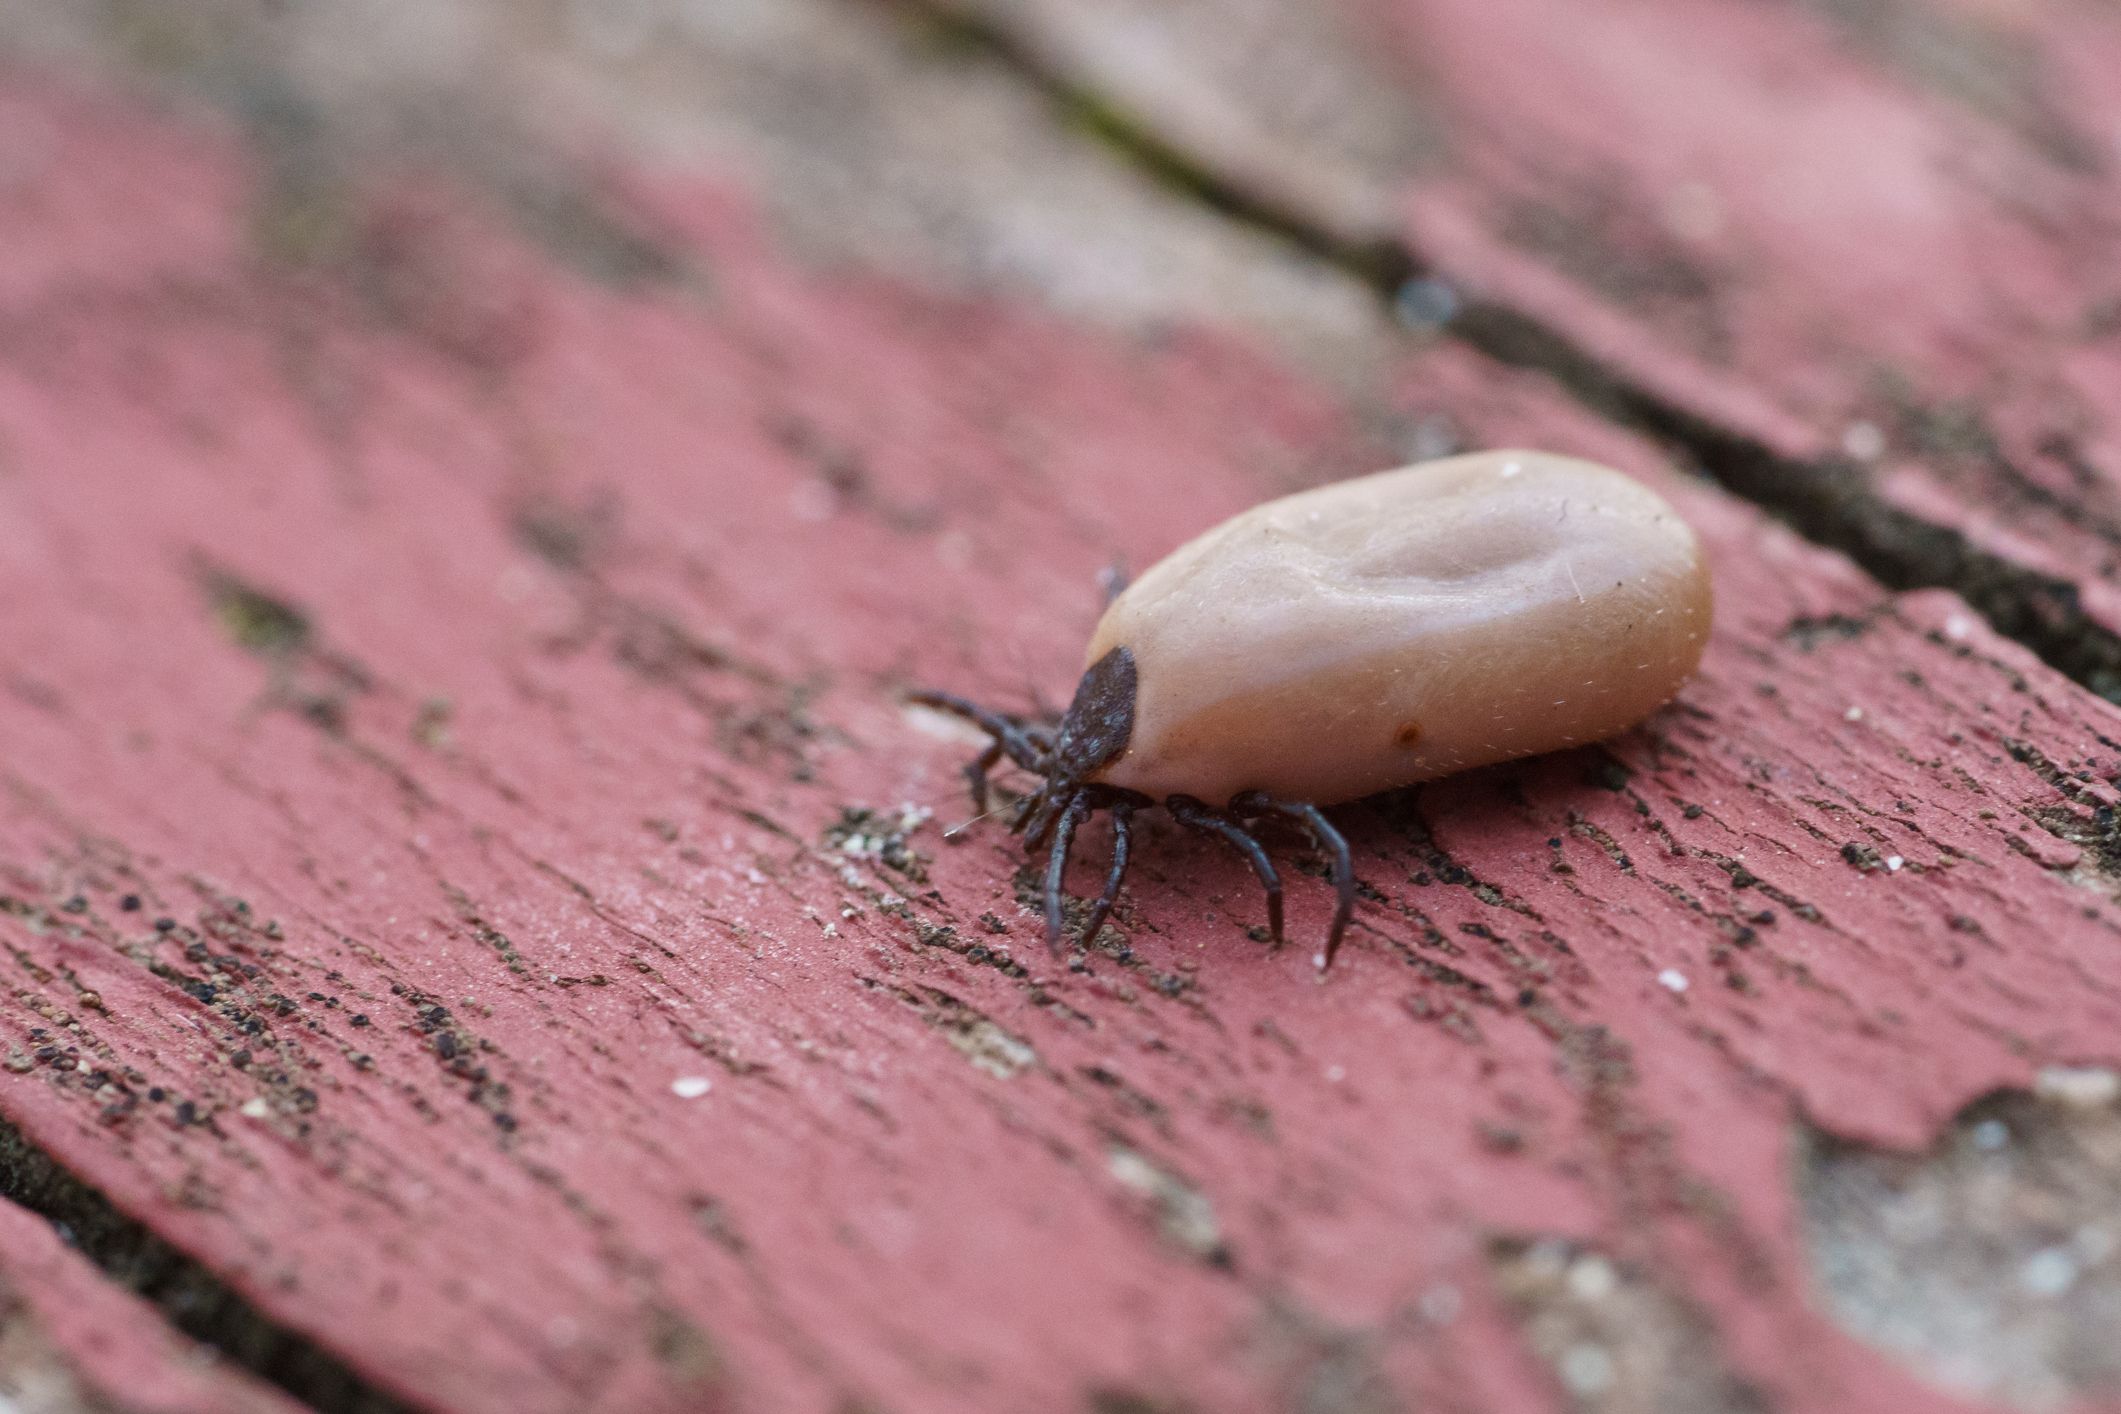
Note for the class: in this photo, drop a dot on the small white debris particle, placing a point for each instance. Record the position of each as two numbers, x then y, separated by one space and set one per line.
1672 980
992 1049
1184 1216
1863 441
2084 1086
1336 1073
1894 863
1591 1278
1511 468
1958 626
256 1108
1586 1369
1990 1134
690 1087
1854 714
2048 1272
1440 1305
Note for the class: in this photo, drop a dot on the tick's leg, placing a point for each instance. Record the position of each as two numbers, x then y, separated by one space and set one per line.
1330 842
1010 734
1057 865
1044 810
1335 845
1198 816
1122 829
976 775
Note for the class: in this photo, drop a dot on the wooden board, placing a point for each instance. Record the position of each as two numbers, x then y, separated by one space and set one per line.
472 885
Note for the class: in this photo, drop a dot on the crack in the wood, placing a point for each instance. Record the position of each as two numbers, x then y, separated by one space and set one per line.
1375 258
1826 498
195 1300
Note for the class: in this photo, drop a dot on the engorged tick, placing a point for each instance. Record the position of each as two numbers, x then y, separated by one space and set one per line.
1353 639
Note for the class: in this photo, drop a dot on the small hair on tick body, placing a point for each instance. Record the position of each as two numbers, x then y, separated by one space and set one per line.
1354 639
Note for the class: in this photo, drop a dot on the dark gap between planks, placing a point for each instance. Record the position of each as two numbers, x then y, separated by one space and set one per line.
195 1300
1825 499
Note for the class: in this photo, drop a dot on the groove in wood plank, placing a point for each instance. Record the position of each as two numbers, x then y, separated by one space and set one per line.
195 1300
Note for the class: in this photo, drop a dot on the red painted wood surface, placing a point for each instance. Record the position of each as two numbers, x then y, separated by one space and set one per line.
481 648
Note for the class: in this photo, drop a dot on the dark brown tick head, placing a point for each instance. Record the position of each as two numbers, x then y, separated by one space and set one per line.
1094 734
1100 721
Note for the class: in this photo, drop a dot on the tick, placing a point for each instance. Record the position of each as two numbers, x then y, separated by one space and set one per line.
1354 639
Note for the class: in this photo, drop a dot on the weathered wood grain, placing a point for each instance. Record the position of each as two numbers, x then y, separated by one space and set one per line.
472 884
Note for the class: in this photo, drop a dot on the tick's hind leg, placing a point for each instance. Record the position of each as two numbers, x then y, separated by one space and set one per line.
1329 841
1197 815
1122 838
1027 744
976 775
1071 815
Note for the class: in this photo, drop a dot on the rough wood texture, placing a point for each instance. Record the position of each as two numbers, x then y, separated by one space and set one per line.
470 883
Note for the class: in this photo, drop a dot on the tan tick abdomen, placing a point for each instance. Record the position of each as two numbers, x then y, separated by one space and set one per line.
1401 626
